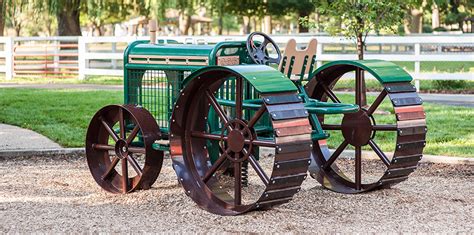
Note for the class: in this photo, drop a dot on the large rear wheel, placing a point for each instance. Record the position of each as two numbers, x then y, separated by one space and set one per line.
272 181
392 112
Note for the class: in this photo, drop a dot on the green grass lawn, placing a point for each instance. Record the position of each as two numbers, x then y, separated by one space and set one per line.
63 116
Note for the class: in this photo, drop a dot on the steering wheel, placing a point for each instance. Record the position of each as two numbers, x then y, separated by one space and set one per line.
258 53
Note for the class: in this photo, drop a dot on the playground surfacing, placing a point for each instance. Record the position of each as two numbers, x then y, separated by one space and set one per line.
57 194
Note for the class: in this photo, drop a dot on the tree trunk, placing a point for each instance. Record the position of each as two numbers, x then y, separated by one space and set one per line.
184 23
246 25
303 28
267 24
220 24
17 30
360 46
434 16
415 22
360 76
68 19
2 16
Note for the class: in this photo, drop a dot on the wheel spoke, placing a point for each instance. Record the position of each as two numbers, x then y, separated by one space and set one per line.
124 175
204 135
137 150
133 134
336 154
264 44
331 127
237 181
260 172
388 127
103 147
212 99
256 116
379 152
262 143
111 168
238 98
135 165
109 130
377 102
122 124
220 161
330 94
358 167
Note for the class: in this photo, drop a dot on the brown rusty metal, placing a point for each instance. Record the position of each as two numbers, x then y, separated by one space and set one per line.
359 129
237 139
103 156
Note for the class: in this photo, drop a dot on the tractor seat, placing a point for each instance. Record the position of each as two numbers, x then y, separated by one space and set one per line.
295 64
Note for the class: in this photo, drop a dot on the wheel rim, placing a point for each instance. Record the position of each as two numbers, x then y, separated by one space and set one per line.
360 130
117 164
202 181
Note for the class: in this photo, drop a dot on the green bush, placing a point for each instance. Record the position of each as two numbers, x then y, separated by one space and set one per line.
427 28
449 84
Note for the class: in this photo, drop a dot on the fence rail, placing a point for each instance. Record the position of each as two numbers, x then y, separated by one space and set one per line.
103 55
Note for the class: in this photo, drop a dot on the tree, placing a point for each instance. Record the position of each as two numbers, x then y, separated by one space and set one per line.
246 9
360 17
3 4
101 12
15 14
303 8
67 14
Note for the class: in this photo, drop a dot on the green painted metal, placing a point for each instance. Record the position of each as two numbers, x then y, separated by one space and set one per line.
263 78
384 71
227 48
318 107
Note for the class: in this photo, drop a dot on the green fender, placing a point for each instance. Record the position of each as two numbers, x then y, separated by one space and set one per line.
264 79
383 71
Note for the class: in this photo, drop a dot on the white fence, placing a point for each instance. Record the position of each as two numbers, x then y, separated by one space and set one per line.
103 55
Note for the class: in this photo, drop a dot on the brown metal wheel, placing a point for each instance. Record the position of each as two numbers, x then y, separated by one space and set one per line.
401 120
117 163
275 180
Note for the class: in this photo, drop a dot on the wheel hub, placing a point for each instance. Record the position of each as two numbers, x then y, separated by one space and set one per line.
236 141
238 144
121 149
357 128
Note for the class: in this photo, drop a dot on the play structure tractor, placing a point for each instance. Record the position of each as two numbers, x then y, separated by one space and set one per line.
237 109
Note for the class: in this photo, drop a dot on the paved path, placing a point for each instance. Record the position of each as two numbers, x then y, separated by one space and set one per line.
18 139
449 99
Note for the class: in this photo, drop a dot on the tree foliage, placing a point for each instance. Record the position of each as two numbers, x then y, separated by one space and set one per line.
354 19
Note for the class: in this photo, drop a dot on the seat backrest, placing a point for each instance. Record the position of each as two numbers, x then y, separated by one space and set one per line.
303 61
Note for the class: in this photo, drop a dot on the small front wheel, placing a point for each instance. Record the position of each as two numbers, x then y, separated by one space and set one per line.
119 148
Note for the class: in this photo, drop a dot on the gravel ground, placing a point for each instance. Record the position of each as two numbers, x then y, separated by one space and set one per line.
59 195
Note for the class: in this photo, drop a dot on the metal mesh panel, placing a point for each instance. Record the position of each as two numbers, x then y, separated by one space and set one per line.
155 90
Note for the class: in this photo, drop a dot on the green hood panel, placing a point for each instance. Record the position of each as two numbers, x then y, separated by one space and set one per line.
263 78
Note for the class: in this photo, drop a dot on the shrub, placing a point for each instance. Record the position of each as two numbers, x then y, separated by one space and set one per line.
449 84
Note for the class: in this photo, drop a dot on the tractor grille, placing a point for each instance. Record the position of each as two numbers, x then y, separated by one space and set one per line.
155 90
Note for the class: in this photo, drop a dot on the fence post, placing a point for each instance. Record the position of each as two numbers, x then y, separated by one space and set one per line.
81 56
319 52
9 58
114 50
417 66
